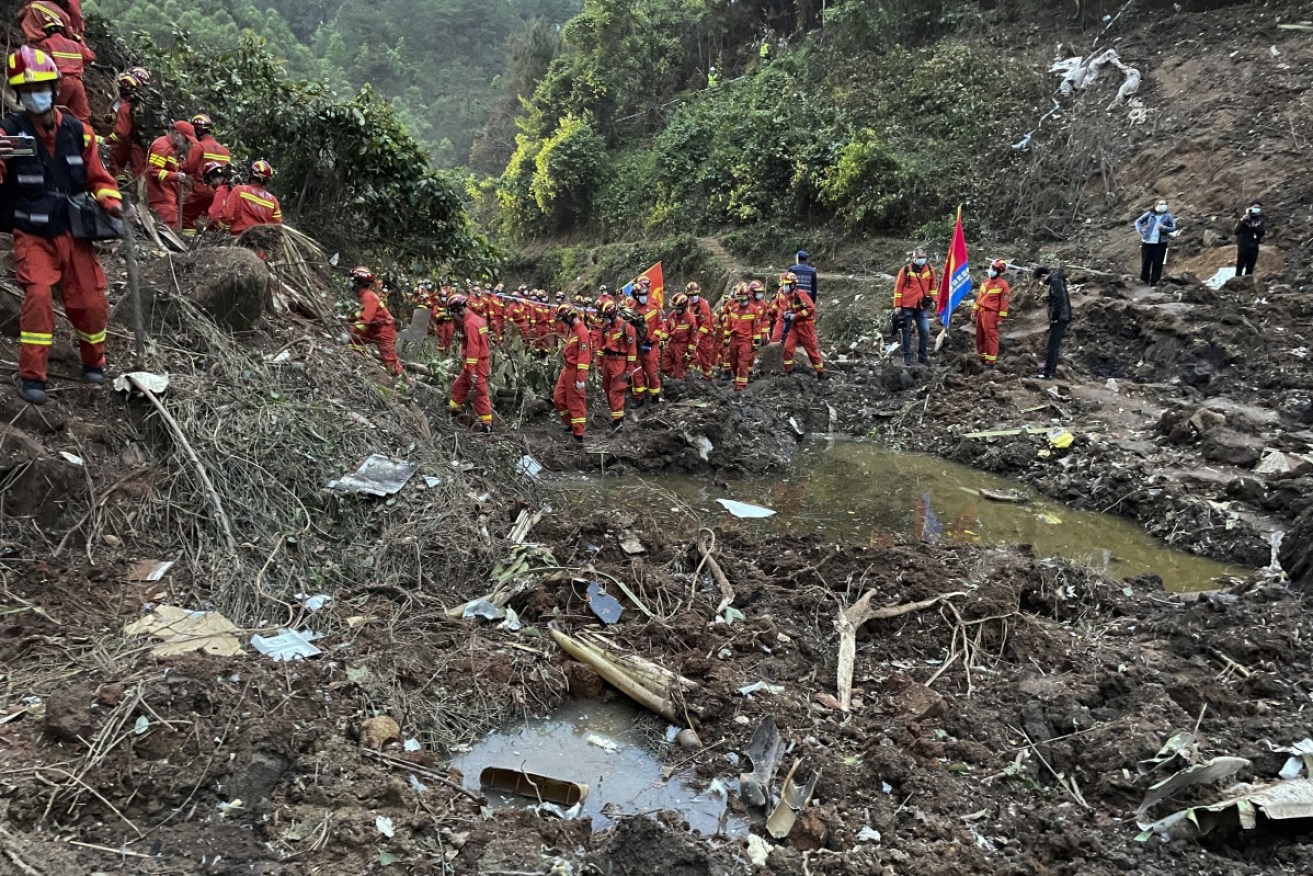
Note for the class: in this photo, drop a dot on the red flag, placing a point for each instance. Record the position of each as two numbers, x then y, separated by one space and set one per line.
656 276
955 281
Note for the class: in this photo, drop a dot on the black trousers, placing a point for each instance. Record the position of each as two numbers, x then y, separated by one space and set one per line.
1152 256
1056 332
1245 259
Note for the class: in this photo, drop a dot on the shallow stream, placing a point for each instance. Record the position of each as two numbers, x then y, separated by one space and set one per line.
849 490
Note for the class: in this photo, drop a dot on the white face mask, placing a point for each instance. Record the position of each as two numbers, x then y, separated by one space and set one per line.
1161 208
38 102
759 295
641 298
694 298
992 273
1255 211
920 263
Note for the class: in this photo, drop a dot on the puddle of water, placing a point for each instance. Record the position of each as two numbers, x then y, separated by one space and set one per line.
623 781
855 491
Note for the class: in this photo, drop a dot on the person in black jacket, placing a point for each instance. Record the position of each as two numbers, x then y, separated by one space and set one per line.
1249 233
1059 315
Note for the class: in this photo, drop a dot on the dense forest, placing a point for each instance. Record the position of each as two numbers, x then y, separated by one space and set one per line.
440 62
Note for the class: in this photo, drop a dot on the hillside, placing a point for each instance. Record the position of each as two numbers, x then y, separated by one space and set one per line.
444 75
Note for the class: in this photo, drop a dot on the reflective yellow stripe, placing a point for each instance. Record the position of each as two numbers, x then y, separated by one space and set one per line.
484 330
255 199
473 361
158 160
38 339
218 156
76 56
109 191
578 420
164 176
96 338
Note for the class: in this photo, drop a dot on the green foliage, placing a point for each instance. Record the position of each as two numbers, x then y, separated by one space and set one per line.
347 170
566 170
438 60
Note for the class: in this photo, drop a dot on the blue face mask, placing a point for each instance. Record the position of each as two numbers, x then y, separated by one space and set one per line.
920 263
38 102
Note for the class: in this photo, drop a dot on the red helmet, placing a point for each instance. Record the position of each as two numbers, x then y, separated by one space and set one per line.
756 286
262 170
202 122
644 282
563 311
128 81
741 290
211 167
788 278
693 289
999 265
457 300
608 310
141 74
680 300
30 66
363 276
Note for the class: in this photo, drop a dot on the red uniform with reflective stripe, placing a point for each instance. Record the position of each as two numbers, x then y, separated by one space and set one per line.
989 309
803 331
743 321
619 357
914 285
250 205
201 196
647 377
472 382
163 187
571 403
682 330
707 339
42 262
374 325
124 153
32 18
70 57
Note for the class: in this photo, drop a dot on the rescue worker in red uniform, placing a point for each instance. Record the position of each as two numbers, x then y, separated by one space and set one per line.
569 398
373 323
682 332
743 327
497 312
36 190
723 325
647 376
780 305
801 329
989 309
36 14
165 176
206 151
915 294
71 57
215 175
517 311
619 358
706 346
126 155
251 204
476 363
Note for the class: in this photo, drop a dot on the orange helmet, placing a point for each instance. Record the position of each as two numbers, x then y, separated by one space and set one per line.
563 311
262 170
30 66
128 81
693 288
608 310
202 122
680 300
741 290
363 276
756 286
788 278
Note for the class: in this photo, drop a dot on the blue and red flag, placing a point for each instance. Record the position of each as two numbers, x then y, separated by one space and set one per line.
955 281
